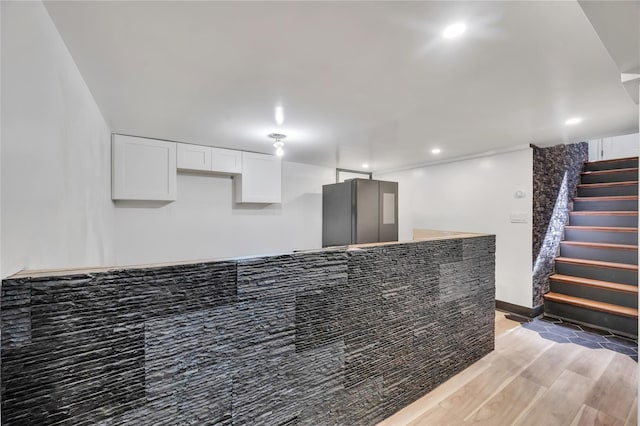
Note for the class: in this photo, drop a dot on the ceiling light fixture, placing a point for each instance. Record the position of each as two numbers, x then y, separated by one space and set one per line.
436 151
278 144
279 115
454 30
365 166
572 121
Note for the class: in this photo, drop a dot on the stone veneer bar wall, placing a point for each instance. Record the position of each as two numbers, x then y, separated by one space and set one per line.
314 338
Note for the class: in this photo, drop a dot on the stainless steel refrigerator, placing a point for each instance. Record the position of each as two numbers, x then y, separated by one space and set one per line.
359 211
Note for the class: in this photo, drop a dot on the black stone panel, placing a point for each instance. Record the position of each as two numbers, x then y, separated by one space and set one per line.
61 379
318 318
273 276
332 337
16 313
362 300
79 355
550 167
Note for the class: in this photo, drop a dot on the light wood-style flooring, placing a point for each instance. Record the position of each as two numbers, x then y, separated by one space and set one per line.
529 380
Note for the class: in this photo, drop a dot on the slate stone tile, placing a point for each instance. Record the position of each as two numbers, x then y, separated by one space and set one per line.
563 331
57 378
569 326
161 412
619 348
206 397
555 337
538 326
262 395
15 299
317 318
592 337
278 275
623 341
585 342
249 330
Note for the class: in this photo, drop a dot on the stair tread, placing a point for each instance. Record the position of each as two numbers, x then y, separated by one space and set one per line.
608 198
605 285
608 184
592 304
609 171
600 263
600 245
611 160
601 228
605 212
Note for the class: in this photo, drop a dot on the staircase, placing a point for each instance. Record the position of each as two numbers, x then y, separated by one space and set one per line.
596 275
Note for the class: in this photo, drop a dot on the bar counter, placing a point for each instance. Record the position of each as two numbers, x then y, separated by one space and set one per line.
344 335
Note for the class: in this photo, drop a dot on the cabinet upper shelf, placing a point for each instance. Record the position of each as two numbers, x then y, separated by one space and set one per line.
208 159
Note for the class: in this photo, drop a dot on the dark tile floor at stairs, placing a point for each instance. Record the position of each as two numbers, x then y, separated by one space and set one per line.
564 332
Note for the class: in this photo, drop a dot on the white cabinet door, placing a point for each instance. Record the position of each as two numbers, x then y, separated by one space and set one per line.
261 179
143 169
226 161
194 157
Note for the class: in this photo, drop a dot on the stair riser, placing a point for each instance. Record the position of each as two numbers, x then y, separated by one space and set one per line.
597 253
610 165
599 220
619 324
608 191
621 276
592 205
601 236
593 293
610 177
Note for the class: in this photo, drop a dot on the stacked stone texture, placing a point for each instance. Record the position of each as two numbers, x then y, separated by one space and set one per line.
549 168
333 337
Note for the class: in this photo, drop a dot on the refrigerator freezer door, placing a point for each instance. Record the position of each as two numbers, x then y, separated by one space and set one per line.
336 214
367 213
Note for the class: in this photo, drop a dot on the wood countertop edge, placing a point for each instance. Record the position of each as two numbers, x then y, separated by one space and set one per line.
39 273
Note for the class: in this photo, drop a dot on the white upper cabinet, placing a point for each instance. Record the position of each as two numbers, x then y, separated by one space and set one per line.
143 169
194 157
261 179
207 159
226 161
146 169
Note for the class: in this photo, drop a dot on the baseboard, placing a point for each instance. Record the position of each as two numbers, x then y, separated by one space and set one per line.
520 310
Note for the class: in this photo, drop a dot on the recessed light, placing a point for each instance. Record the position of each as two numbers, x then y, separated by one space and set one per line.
454 30
279 115
365 166
436 151
573 120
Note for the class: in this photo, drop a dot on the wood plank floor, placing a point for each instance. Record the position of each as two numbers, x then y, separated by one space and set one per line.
529 380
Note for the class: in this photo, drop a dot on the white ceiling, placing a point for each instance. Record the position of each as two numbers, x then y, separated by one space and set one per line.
360 82
618 26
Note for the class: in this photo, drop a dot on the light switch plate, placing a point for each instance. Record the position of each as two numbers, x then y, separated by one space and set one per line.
519 217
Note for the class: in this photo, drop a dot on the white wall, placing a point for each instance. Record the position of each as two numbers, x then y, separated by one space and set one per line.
476 195
614 147
205 223
56 209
